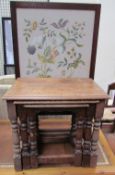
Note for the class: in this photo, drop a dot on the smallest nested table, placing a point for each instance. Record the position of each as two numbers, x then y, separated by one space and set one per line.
30 97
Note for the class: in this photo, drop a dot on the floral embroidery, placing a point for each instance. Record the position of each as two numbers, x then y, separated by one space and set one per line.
53 48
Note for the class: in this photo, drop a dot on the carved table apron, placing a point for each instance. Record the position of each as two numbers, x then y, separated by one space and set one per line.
29 97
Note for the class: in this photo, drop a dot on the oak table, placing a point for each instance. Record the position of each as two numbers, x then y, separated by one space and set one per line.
31 97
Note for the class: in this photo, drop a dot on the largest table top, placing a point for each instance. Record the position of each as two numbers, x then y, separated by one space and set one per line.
55 89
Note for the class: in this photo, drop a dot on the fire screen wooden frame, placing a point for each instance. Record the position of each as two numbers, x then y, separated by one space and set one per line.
55 39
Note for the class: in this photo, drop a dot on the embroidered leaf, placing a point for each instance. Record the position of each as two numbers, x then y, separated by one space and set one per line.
60 62
68 31
35 70
60 21
41 58
62 36
26 34
65 59
48 70
27 22
59 65
43 22
79 45
26 39
47 51
64 23
43 40
50 60
55 25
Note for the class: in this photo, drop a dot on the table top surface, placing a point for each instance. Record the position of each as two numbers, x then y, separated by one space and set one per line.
55 89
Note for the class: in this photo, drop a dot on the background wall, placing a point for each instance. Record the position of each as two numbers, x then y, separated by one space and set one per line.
105 62
105 65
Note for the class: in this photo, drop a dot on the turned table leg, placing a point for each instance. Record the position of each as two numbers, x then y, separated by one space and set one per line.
88 123
95 135
15 133
24 137
33 137
77 134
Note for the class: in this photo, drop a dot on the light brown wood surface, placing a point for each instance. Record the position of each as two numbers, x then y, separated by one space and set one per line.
55 89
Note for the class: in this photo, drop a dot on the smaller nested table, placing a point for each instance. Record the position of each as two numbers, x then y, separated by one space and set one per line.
30 97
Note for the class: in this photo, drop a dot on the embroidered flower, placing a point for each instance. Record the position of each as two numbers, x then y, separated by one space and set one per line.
31 49
34 25
54 53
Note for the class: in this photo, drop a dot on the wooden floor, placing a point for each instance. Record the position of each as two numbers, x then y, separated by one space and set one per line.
99 170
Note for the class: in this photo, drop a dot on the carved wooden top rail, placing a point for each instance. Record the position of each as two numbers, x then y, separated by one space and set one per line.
55 89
